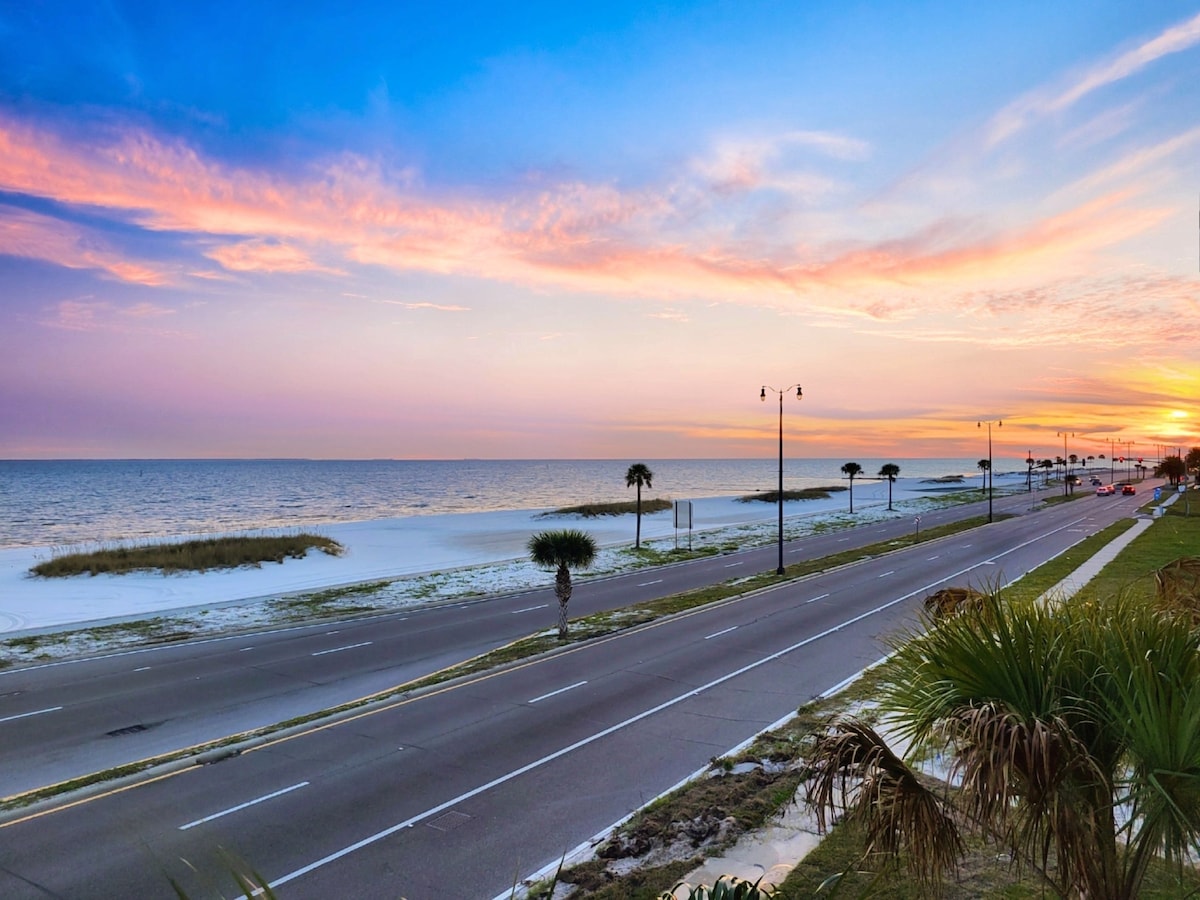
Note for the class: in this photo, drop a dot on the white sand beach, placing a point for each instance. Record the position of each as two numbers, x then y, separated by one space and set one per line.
432 556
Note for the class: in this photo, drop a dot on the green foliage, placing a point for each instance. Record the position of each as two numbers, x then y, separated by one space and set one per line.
727 887
188 556
821 493
592 510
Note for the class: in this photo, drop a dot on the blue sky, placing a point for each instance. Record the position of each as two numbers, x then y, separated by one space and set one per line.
419 230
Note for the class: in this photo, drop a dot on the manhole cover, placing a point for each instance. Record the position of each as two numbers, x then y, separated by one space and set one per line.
449 821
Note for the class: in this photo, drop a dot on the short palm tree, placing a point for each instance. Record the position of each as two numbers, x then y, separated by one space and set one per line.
985 466
1073 731
562 550
637 475
889 471
852 470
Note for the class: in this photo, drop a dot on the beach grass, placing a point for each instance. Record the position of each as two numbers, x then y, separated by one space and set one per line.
591 510
819 493
200 555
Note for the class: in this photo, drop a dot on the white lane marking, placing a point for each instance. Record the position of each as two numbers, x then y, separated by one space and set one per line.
931 558
340 649
240 806
886 574
719 633
816 598
731 565
244 649
530 608
648 583
843 540
142 669
332 632
36 712
569 687
632 720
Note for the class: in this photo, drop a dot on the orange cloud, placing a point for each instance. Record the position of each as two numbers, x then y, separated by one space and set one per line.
264 256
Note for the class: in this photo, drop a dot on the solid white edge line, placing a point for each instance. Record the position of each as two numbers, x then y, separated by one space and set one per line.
241 806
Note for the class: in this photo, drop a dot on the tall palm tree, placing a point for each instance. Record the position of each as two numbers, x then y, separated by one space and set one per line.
562 550
1053 718
852 470
985 466
638 474
889 471
1046 465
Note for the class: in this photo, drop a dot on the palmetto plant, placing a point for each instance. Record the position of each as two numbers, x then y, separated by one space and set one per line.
562 551
637 475
889 471
852 470
1074 732
727 887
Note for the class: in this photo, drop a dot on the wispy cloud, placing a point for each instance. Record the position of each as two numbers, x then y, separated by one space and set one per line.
1044 102
89 314
437 307
266 256
34 236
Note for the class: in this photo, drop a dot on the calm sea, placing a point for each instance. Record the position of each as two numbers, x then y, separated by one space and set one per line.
57 502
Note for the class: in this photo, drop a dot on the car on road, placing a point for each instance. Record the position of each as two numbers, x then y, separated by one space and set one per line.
1128 489
1096 482
1105 490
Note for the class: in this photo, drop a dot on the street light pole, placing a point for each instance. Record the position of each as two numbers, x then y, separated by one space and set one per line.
763 396
998 424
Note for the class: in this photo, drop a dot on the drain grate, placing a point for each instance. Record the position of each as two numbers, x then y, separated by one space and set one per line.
449 821
133 729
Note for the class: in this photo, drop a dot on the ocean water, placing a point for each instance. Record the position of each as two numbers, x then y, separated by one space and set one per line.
68 502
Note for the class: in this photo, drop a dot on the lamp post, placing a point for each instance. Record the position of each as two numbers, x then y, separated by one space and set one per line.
998 424
763 396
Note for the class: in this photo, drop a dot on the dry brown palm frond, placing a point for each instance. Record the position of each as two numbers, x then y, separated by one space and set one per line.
855 771
1177 586
1033 784
952 600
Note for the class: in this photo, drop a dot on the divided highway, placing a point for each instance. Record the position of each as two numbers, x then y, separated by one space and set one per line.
63 720
463 790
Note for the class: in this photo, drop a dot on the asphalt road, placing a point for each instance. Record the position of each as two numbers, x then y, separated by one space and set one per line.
64 720
461 791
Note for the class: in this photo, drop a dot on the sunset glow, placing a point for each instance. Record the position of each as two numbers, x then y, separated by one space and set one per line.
553 233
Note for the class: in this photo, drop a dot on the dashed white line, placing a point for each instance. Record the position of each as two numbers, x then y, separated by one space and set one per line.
529 608
241 806
719 633
142 669
340 649
931 558
569 687
36 712
648 583
816 598
731 565
244 649
886 574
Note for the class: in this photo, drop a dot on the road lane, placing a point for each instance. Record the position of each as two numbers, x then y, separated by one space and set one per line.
471 779
179 696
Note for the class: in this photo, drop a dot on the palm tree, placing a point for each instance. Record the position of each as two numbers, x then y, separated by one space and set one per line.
1046 466
1073 731
889 471
638 474
852 470
984 466
562 551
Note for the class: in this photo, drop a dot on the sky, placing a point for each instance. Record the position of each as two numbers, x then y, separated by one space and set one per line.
598 230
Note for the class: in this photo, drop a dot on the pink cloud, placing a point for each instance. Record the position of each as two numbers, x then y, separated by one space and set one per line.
34 236
102 316
265 256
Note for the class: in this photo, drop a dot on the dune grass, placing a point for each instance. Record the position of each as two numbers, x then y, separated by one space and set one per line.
591 510
187 556
821 493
